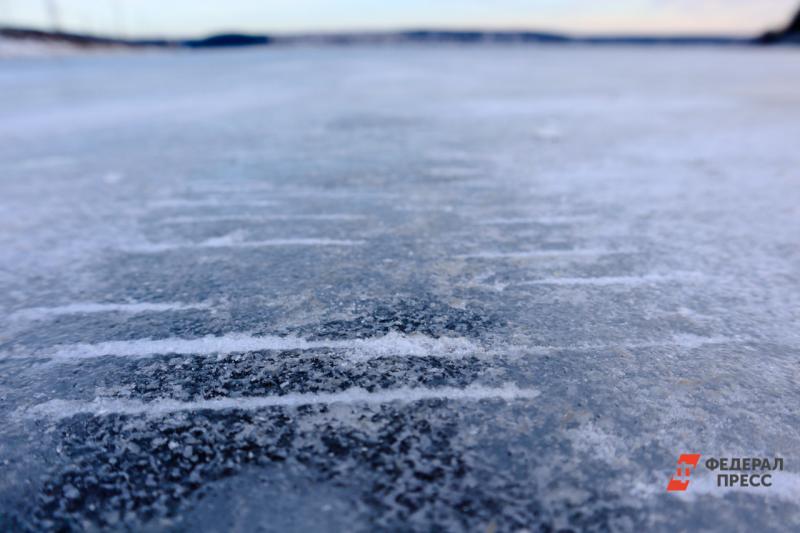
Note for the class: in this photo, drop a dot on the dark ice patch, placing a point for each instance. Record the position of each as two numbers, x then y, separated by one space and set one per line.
404 315
279 373
118 326
405 467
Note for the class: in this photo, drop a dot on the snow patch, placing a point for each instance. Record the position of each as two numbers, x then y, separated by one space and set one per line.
391 344
532 254
112 177
39 313
211 202
236 240
647 279
681 340
58 409
545 221
259 218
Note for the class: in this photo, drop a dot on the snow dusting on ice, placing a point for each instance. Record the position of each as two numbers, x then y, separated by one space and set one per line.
494 288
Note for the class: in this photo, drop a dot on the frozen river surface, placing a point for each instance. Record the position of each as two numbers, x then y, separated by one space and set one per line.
340 289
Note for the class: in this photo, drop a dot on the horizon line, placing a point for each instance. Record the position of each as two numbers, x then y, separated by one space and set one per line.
399 30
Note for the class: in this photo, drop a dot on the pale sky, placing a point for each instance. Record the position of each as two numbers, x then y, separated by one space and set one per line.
199 17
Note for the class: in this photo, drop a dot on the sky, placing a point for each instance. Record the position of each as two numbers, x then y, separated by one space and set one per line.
138 18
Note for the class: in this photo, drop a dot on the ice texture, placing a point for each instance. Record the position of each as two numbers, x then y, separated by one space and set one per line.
483 288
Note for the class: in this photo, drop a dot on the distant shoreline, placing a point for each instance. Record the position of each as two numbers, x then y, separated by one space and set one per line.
81 40
22 42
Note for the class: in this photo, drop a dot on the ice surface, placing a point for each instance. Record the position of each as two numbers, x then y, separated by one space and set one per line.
486 289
